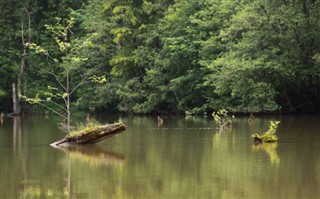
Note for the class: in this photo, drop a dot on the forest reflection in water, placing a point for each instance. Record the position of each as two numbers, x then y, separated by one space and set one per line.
184 157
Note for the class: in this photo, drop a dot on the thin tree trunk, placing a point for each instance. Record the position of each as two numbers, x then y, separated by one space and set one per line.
68 102
16 105
19 86
17 98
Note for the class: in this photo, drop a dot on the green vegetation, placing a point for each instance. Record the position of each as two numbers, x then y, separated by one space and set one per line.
181 56
268 136
82 128
222 119
64 70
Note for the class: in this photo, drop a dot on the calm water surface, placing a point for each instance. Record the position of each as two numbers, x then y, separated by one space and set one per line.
185 157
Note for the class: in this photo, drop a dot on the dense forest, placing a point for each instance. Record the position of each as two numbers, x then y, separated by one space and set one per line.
161 56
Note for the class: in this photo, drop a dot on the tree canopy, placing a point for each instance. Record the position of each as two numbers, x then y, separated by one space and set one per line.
182 56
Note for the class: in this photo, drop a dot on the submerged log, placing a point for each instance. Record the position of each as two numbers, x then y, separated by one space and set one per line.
91 135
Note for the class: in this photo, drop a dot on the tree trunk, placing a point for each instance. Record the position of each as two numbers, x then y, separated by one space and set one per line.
91 135
22 66
17 93
16 104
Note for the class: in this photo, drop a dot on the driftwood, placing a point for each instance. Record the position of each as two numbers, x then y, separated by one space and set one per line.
91 135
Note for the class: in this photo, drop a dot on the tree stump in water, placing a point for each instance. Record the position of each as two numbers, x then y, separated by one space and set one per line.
91 135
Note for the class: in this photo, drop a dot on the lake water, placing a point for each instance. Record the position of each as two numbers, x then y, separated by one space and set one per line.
185 157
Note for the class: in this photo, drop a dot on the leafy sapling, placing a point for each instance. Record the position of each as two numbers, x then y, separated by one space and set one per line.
268 136
222 119
64 70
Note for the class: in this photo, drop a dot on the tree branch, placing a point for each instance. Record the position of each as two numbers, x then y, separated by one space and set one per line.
58 105
56 77
56 112
76 87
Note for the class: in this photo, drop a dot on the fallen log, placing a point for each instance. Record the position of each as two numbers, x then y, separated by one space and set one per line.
91 135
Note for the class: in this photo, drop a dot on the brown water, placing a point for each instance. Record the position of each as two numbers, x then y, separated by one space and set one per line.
185 157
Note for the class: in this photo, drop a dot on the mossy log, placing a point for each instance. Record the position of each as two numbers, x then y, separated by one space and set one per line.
91 135
260 139
268 136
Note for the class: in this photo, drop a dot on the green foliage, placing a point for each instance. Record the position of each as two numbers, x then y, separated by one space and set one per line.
14 14
35 100
96 79
169 56
2 93
264 48
222 119
63 69
268 136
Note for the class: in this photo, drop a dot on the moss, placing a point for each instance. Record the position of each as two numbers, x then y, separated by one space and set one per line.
268 136
91 128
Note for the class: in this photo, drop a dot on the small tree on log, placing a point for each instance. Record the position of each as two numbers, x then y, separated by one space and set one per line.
63 70
268 136
222 119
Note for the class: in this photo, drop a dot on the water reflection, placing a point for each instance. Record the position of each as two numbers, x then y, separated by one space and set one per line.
185 158
1 118
30 189
16 131
93 155
221 139
160 121
270 149
65 183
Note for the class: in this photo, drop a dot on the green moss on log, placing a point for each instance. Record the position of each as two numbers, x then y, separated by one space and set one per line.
92 134
268 136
